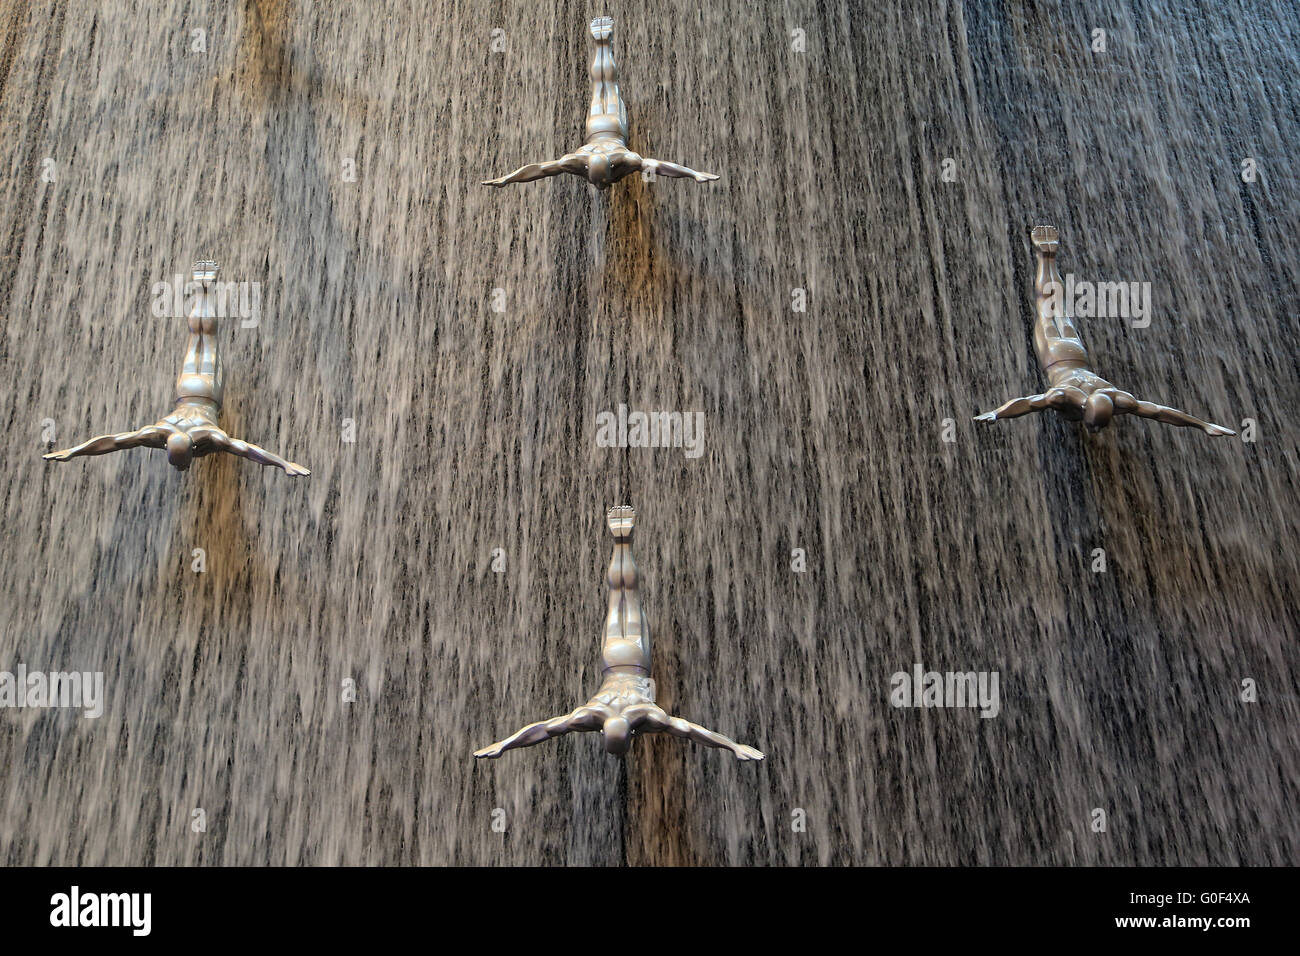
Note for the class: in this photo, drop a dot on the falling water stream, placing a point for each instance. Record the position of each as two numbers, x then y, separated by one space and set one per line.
437 352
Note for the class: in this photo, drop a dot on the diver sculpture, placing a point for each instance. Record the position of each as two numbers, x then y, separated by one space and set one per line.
625 704
191 430
1077 392
604 158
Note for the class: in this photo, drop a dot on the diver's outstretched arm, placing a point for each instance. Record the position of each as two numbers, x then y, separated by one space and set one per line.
648 717
151 436
1023 406
552 167
584 718
1127 404
245 449
662 167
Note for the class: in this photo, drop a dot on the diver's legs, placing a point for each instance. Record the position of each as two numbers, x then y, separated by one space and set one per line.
624 622
201 373
1056 338
614 579
608 112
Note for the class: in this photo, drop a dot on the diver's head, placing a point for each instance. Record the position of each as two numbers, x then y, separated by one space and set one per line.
180 450
598 170
618 735
1098 411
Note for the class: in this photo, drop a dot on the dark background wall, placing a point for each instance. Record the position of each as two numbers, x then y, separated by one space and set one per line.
475 430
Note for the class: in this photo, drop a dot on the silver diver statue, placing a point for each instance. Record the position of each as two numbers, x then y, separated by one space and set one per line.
625 704
604 158
191 430
1076 392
